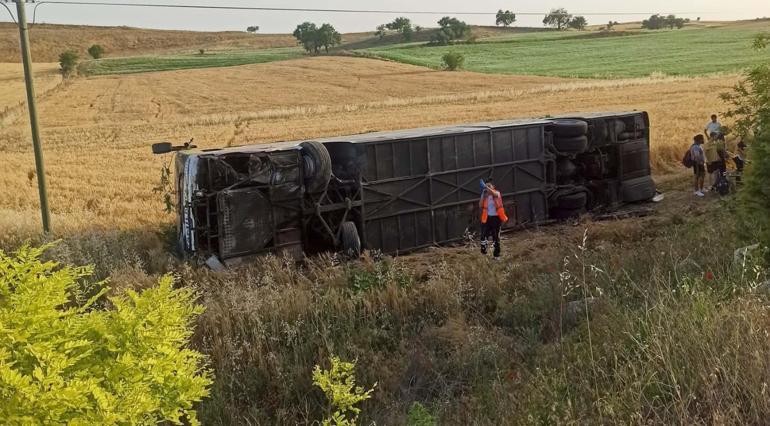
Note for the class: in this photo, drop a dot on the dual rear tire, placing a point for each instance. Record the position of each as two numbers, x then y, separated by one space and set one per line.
569 136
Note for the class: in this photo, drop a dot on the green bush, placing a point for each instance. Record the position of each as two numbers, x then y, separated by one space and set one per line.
420 416
68 62
750 106
339 386
96 51
65 358
453 61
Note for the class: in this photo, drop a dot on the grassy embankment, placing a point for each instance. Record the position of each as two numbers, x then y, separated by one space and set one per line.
636 321
690 51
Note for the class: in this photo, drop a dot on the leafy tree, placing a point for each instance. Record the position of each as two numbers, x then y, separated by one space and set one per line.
68 62
657 22
96 51
253 29
558 18
611 25
382 31
450 29
750 106
313 38
578 23
306 35
673 22
327 36
453 61
505 18
402 25
66 358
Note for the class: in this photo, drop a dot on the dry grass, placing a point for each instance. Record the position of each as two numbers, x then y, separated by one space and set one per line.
97 131
480 342
12 91
48 41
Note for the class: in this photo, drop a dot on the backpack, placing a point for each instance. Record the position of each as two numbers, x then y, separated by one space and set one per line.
722 185
687 159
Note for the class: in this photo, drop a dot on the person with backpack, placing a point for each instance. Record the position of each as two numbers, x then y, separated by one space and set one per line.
695 158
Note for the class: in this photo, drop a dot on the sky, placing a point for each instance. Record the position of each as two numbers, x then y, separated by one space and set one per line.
283 22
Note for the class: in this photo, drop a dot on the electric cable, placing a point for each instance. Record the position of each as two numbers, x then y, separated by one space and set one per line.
13 18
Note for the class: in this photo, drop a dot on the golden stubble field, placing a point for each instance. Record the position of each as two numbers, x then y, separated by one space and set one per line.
48 41
97 132
12 93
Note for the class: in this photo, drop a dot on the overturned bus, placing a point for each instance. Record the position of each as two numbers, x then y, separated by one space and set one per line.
405 190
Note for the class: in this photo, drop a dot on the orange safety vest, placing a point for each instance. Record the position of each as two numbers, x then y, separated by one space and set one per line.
498 206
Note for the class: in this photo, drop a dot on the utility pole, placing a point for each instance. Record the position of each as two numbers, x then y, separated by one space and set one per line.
32 107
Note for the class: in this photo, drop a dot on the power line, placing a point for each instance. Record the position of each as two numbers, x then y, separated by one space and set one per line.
9 12
302 9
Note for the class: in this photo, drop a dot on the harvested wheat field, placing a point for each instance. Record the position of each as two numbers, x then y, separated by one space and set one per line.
12 93
48 41
97 132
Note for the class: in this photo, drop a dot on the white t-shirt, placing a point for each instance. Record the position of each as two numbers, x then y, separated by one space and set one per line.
713 127
491 209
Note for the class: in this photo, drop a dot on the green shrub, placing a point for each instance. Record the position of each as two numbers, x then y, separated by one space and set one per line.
64 358
68 62
377 275
96 51
453 61
420 416
339 386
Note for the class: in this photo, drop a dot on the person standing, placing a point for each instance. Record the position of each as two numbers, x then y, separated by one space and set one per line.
711 151
492 218
740 156
713 126
698 157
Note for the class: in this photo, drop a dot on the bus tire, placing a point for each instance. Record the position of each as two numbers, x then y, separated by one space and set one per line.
573 145
317 166
569 128
351 241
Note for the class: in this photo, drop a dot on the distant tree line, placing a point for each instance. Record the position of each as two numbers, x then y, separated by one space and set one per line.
449 31
561 19
313 37
659 22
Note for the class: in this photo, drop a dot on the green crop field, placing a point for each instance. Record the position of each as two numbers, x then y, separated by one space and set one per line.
690 51
228 58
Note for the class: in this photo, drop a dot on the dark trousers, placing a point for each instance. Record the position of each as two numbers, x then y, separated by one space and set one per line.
491 229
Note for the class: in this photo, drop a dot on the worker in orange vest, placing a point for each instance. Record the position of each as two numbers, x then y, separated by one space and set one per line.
492 217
